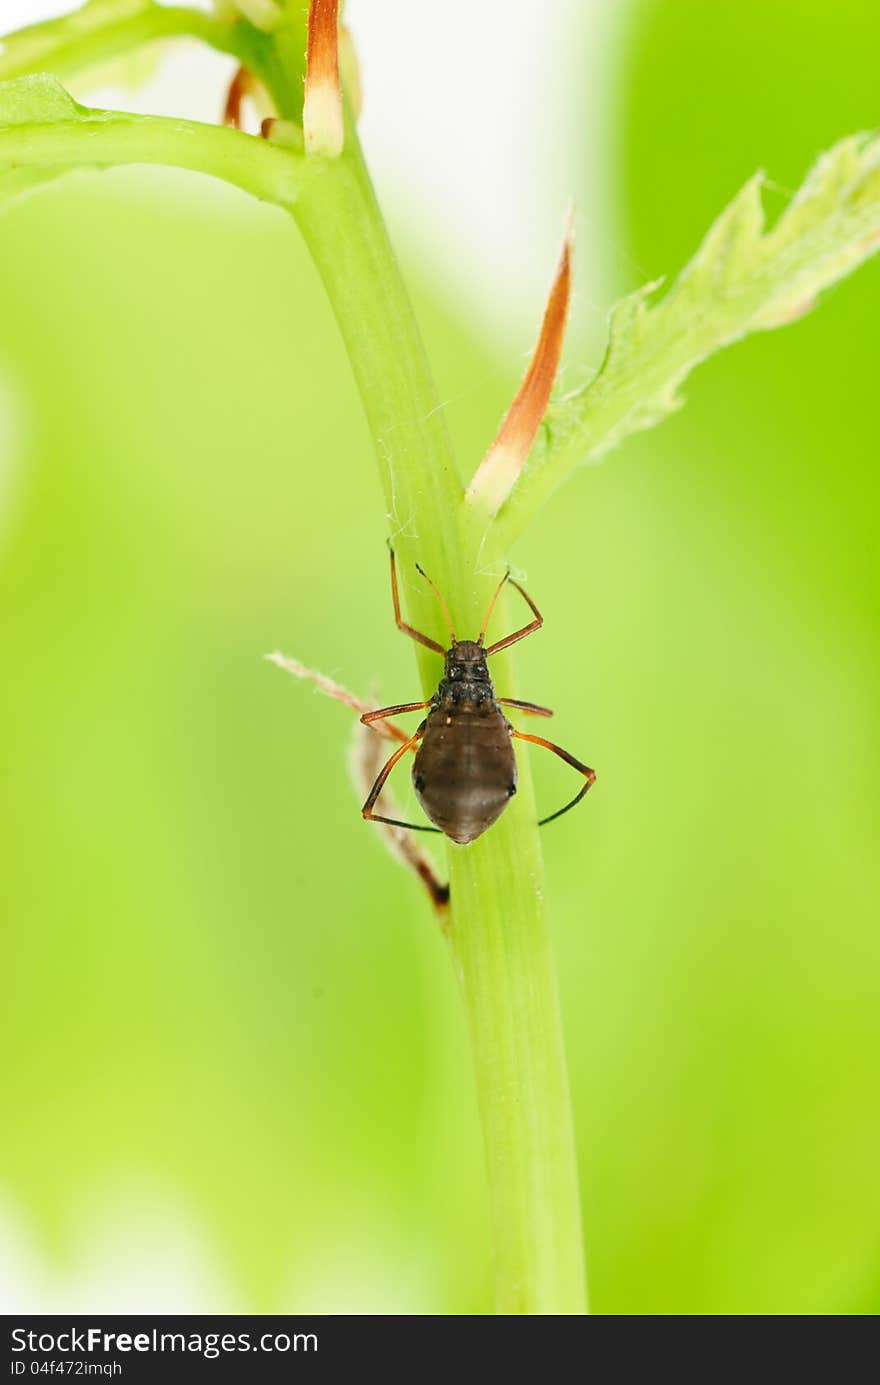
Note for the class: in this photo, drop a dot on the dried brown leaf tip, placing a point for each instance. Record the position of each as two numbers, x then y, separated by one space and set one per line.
235 98
497 473
323 124
367 757
246 90
337 692
366 760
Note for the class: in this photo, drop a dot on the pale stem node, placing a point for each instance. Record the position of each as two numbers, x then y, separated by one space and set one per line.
497 473
350 70
323 122
284 133
263 14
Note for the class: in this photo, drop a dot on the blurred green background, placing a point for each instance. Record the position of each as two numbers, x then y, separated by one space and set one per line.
234 1073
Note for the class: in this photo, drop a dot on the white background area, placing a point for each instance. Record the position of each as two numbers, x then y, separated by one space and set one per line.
481 119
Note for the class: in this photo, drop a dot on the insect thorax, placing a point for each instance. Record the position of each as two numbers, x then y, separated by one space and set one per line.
466 679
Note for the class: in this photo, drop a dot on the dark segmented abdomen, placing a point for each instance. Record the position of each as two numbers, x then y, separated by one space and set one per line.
464 773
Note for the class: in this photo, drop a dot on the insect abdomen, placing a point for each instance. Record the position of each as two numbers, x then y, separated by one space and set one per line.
464 773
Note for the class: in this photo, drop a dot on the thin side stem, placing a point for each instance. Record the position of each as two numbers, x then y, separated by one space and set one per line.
104 140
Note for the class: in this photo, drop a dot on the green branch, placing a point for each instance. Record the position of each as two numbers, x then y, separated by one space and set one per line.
744 278
44 133
498 928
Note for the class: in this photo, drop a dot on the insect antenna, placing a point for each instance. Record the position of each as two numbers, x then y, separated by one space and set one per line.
444 608
495 597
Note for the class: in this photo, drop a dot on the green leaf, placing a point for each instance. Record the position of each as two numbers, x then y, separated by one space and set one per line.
744 278
38 100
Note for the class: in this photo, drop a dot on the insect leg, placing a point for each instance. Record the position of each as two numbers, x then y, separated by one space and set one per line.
440 597
367 810
526 629
384 712
398 618
531 707
403 845
589 774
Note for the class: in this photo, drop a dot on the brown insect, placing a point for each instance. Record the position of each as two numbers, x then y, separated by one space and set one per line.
464 773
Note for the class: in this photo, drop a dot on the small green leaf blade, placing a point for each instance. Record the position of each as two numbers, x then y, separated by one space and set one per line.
745 277
39 99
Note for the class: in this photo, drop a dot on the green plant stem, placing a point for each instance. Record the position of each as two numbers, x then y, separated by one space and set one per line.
498 930
337 213
502 953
